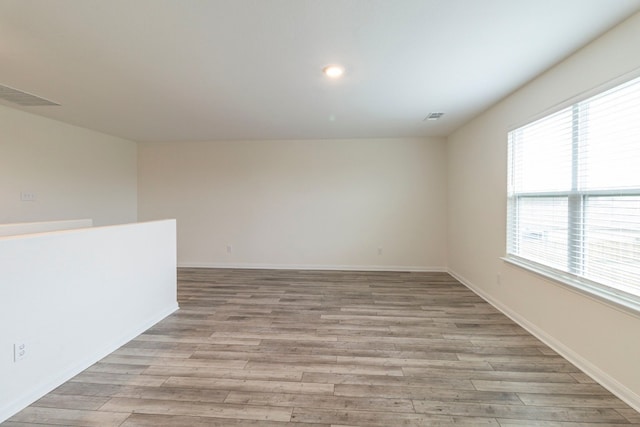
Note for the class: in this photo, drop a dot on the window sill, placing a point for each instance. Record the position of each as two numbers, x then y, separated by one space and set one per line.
627 303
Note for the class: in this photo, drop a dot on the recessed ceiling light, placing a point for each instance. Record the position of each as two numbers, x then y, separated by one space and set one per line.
333 71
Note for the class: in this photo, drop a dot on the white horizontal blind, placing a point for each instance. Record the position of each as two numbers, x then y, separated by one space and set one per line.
574 192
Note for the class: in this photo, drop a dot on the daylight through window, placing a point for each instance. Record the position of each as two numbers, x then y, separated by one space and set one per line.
574 194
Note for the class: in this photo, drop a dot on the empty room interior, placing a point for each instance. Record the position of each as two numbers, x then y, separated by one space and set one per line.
319 213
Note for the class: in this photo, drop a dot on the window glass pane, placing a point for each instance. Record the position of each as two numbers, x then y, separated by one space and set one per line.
611 137
612 242
542 154
574 193
542 230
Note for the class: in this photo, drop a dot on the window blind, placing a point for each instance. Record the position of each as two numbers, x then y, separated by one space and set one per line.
574 192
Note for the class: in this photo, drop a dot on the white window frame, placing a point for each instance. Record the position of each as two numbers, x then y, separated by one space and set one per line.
576 201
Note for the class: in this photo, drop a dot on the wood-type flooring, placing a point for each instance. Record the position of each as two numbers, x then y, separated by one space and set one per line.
277 348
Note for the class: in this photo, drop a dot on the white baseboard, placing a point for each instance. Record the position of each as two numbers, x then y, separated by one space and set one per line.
49 384
601 377
250 266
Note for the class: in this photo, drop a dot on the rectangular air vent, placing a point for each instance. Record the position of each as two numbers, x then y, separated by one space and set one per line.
433 116
22 98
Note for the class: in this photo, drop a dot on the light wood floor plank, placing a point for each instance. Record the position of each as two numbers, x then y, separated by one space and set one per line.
88 389
411 392
201 409
325 402
583 415
543 388
387 380
385 419
70 417
68 401
244 385
154 420
537 423
123 379
173 394
572 400
244 374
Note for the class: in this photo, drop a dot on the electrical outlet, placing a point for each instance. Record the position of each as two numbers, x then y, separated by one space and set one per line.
26 196
498 279
229 249
379 250
19 351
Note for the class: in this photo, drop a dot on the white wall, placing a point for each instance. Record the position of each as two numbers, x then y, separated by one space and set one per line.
75 296
74 172
598 337
300 204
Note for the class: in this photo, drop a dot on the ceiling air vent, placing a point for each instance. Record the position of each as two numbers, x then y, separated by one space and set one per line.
433 116
22 98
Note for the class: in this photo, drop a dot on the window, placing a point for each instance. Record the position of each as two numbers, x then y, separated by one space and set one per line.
574 195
